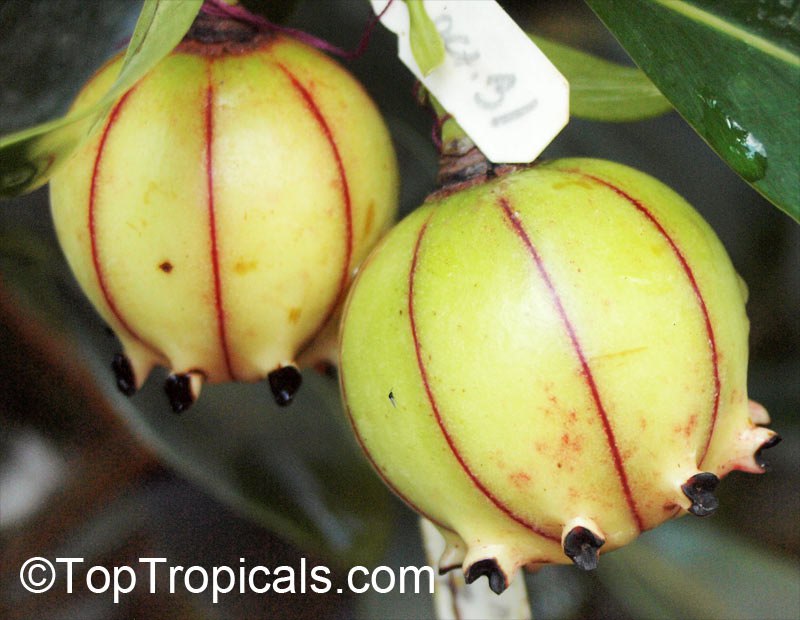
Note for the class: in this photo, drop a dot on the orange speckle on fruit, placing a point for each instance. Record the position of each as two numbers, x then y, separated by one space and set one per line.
369 218
519 478
690 428
242 266
577 182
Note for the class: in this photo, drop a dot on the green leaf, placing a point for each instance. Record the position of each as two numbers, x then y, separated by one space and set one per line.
690 569
426 44
297 470
29 157
732 69
600 90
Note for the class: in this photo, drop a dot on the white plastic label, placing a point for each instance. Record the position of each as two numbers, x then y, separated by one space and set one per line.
496 83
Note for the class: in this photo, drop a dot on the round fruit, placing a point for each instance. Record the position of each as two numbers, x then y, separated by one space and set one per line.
215 218
551 362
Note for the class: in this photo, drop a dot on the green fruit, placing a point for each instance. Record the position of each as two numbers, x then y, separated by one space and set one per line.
215 218
551 362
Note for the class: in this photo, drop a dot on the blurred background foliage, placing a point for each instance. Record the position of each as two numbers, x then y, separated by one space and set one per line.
86 472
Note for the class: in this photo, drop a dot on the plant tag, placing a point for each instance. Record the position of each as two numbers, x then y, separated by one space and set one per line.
496 83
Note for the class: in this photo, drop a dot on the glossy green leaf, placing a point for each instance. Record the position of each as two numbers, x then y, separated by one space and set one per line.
426 44
600 90
29 157
732 69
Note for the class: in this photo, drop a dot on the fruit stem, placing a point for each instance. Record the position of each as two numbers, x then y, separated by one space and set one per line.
239 11
211 27
461 163
446 129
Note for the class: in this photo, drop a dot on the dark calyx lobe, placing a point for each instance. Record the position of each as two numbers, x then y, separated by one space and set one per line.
700 490
581 545
769 443
489 567
123 371
284 383
179 392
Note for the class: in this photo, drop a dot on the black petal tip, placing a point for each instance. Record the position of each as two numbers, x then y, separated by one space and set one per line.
179 392
490 568
443 570
700 490
123 371
769 443
284 383
581 545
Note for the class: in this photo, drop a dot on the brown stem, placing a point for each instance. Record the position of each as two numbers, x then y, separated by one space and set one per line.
214 35
462 165
209 28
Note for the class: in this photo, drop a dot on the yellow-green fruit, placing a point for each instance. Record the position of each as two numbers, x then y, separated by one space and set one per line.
551 362
215 218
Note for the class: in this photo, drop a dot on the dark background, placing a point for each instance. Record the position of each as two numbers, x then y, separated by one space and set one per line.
85 472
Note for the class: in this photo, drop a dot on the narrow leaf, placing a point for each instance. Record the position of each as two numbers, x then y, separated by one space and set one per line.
29 157
694 570
600 90
732 69
296 471
426 44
